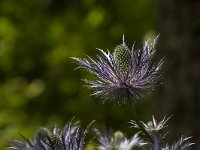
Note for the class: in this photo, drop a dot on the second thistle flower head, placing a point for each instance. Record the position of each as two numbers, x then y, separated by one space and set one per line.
72 137
124 73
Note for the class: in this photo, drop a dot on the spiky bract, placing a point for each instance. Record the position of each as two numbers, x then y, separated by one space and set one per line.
69 138
123 73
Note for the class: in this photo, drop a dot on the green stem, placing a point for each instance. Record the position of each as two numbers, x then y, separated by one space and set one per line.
133 112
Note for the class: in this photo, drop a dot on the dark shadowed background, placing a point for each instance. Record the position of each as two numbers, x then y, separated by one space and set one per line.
38 84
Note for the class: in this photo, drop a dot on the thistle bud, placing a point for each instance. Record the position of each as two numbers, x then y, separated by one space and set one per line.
118 136
122 59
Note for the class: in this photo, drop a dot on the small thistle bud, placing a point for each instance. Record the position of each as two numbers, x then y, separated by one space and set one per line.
122 58
117 141
118 136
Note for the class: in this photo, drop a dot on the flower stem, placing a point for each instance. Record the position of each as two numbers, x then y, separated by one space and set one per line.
156 144
135 117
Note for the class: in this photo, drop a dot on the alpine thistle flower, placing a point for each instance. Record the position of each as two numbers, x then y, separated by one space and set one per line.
182 144
118 141
124 73
152 127
69 138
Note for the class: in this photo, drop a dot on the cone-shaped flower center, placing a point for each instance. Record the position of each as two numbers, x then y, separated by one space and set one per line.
122 59
56 143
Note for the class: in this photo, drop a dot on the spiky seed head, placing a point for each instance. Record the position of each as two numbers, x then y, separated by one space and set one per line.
122 58
56 143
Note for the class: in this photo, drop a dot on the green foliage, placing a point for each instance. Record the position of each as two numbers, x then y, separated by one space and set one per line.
37 83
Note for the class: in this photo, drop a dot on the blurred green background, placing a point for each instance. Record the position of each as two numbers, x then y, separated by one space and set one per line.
38 84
